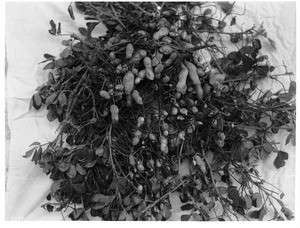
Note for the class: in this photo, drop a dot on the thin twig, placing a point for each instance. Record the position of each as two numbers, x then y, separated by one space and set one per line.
161 198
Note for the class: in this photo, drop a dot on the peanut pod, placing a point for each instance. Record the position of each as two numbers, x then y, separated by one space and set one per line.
137 56
135 141
137 98
196 11
197 58
194 78
115 62
166 50
128 100
163 31
167 39
104 94
114 40
112 55
157 70
166 79
216 77
200 72
119 87
182 76
114 111
149 70
170 60
164 144
200 163
140 77
128 82
131 160
119 69
157 59
129 51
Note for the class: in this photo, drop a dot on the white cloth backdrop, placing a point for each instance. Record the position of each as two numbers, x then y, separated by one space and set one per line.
27 39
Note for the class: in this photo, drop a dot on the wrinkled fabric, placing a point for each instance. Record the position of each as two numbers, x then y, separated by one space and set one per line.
27 39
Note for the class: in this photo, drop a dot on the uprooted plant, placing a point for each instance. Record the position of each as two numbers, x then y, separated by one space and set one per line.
155 93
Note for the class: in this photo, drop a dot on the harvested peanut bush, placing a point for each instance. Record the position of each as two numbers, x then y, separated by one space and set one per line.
157 93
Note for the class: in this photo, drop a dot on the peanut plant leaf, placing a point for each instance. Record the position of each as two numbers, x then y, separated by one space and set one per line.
235 56
263 154
187 207
64 167
66 42
80 170
58 29
90 28
221 24
136 199
293 140
80 6
288 138
262 212
279 162
51 79
56 185
83 31
62 99
48 56
37 155
222 190
207 11
79 188
72 171
65 53
272 42
287 213
52 31
210 205
37 101
280 159
256 200
29 152
283 154
77 213
31 103
197 217
51 99
267 146
125 216
49 66
71 13
285 97
91 164
35 144
233 21
253 214
246 49
61 63
248 201
185 217
102 200
49 208
52 114
226 7
292 88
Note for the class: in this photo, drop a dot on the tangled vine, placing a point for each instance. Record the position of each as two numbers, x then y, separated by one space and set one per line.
157 94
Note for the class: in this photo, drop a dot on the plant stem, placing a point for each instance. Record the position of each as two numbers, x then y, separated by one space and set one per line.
161 198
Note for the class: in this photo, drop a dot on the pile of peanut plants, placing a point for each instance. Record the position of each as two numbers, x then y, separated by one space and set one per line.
157 94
